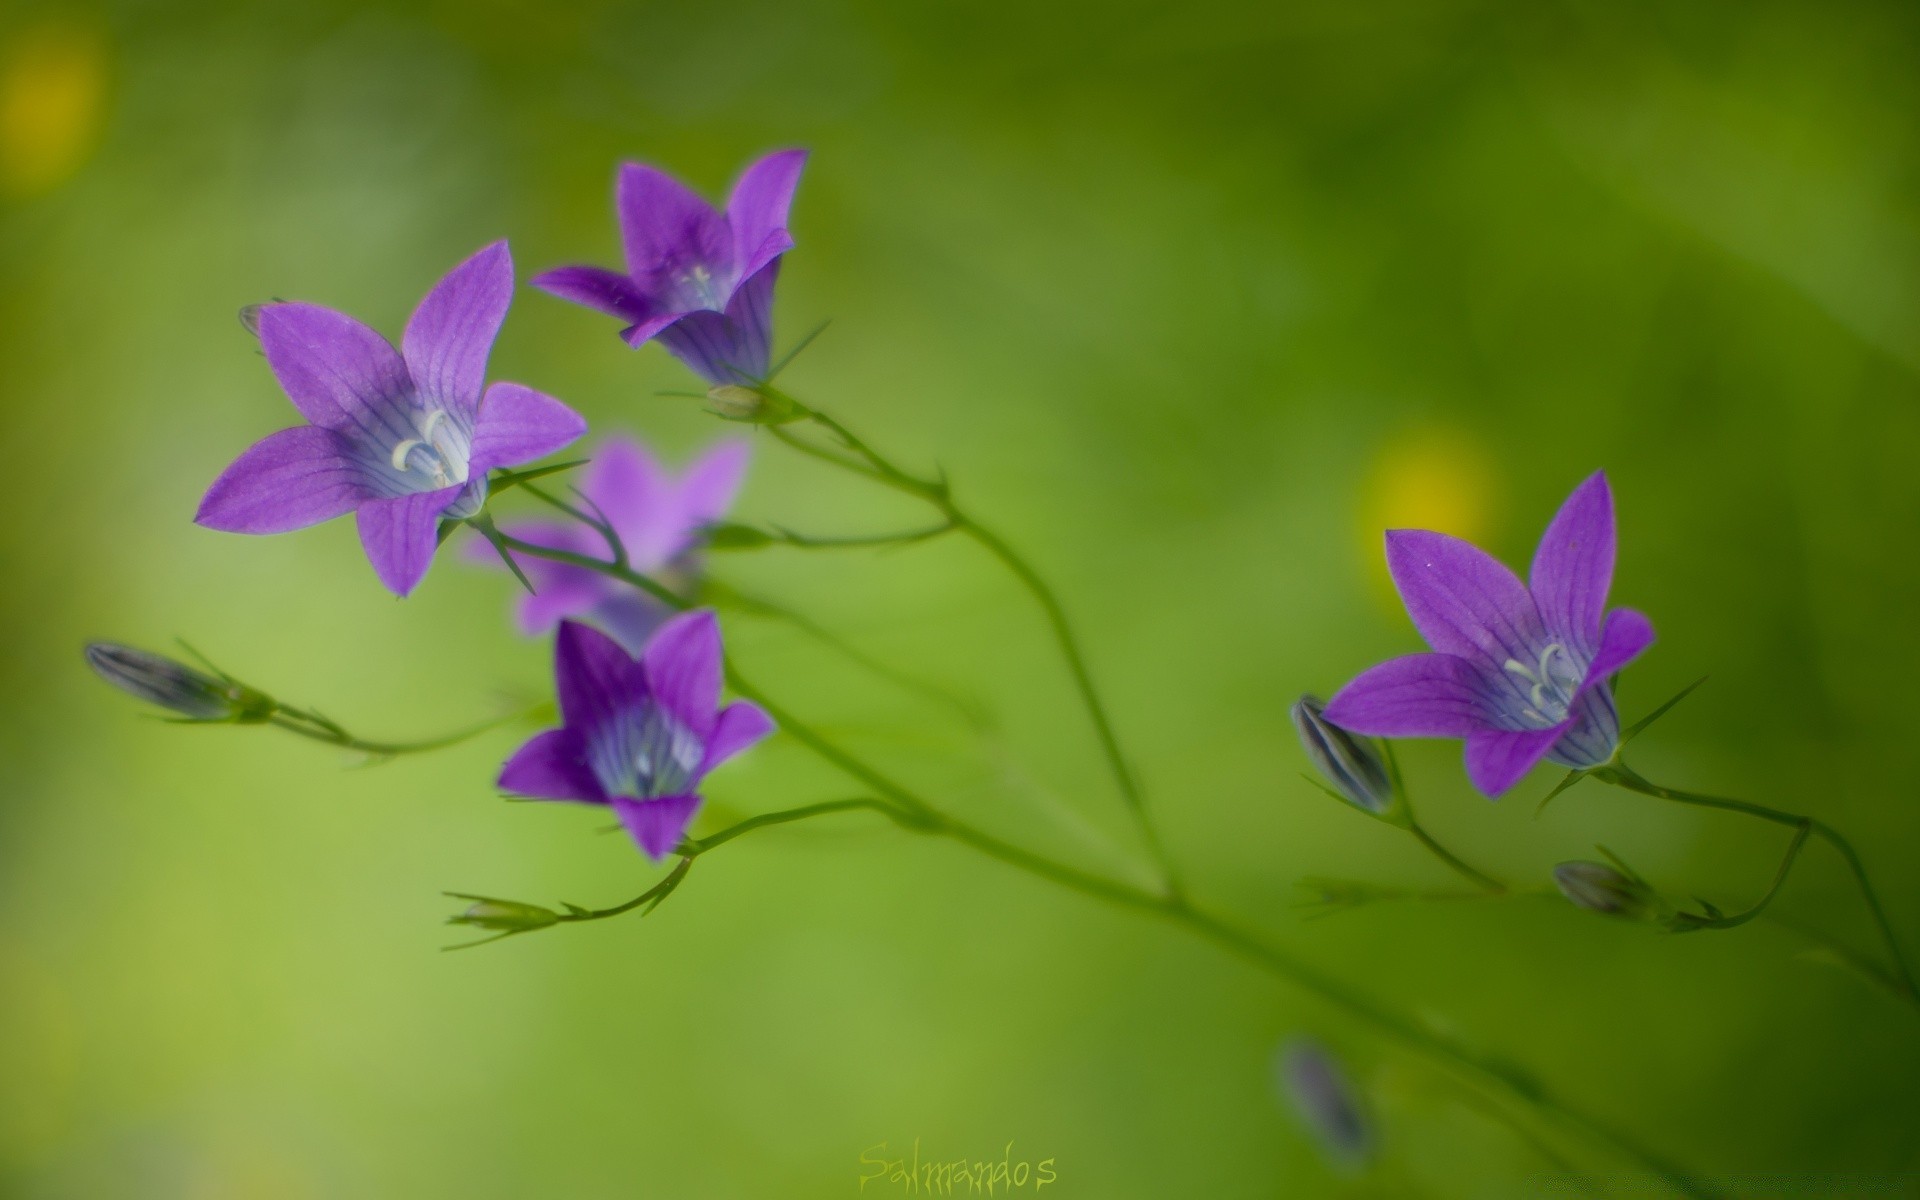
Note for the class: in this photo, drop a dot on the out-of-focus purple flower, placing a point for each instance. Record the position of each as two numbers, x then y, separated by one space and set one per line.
400 438
699 280
1518 669
1325 1101
657 516
638 736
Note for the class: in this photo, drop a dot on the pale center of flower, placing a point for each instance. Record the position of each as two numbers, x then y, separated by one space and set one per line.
1550 685
698 288
437 457
649 754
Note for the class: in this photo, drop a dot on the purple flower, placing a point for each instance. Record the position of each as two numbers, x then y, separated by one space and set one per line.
402 439
657 515
701 281
637 736
1518 669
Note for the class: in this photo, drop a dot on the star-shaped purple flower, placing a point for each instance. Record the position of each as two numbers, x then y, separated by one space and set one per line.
1518 670
402 439
701 281
637 736
657 516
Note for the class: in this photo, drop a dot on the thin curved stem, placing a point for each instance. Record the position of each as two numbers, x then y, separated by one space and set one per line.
1479 878
1695 921
323 729
1621 775
872 465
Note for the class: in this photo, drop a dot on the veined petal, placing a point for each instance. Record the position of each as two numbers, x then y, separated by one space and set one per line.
683 664
733 347
1573 568
400 535
659 824
286 480
739 726
594 679
1628 632
609 292
332 367
552 766
1592 735
757 209
1419 695
668 231
517 424
1463 600
451 333
1498 758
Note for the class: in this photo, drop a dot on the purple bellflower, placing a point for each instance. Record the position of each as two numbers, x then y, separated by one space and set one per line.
1518 670
400 438
700 281
637 736
658 517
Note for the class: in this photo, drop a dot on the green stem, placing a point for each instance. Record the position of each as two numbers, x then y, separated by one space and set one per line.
872 465
802 541
912 812
1479 878
322 729
1694 921
1621 775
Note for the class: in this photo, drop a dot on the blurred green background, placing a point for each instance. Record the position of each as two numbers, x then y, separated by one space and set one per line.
1191 300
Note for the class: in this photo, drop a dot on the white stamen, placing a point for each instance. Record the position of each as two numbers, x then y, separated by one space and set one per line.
401 451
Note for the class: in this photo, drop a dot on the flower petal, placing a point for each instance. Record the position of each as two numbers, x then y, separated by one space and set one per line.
1593 734
517 425
683 664
667 231
1573 568
1463 600
609 292
400 535
451 333
710 482
629 617
631 489
739 726
1419 695
1628 632
332 367
286 480
594 678
1498 758
757 209
658 824
734 347
552 766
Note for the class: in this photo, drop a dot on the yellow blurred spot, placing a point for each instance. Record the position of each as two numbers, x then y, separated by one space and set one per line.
1426 478
53 83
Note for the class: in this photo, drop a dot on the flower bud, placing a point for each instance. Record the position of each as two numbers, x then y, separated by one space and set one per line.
1326 1102
250 318
1350 766
755 406
504 916
1600 888
176 686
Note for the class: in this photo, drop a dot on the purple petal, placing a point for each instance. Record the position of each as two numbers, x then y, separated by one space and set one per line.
553 766
1420 695
640 333
659 824
710 482
400 535
451 333
332 367
630 617
1462 600
757 210
517 425
594 678
668 231
1628 632
629 486
734 347
683 663
286 480
607 291
1498 758
739 727
1573 568
1592 735
559 589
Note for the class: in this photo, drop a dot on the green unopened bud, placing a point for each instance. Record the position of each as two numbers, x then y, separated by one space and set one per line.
1600 888
755 406
725 535
1352 768
176 686
503 916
